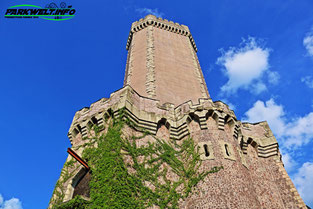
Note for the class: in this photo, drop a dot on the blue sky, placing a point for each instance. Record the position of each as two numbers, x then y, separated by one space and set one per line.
256 55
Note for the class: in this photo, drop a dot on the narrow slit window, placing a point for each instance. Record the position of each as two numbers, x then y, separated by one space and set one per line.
226 149
206 150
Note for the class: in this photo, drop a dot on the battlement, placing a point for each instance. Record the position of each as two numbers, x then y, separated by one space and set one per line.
162 24
146 113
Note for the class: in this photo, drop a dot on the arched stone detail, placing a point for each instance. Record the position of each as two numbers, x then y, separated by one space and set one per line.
73 183
193 125
193 117
163 129
93 121
76 134
108 115
252 145
230 125
252 142
211 119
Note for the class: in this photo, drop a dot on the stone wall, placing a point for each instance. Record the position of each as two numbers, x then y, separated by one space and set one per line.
253 174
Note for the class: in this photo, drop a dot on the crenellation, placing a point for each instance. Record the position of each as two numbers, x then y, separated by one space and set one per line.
140 116
151 20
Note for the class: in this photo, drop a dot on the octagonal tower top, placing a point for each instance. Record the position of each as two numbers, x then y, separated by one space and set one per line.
162 62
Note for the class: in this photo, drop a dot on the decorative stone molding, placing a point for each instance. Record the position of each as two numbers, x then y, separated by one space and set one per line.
265 147
221 121
147 118
151 20
150 76
236 131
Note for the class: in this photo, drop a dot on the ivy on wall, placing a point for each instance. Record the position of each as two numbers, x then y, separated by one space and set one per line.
125 175
66 174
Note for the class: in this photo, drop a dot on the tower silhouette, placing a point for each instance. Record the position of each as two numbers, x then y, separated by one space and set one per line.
165 94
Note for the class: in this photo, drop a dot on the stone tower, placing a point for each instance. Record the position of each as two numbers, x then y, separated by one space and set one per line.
165 94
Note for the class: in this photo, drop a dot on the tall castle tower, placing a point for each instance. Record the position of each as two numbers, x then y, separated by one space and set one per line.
165 94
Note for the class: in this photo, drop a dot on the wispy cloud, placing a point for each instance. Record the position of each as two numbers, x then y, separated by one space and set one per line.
308 80
273 77
308 42
303 180
244 66
293 133
289 162
269 111
12 203
146 11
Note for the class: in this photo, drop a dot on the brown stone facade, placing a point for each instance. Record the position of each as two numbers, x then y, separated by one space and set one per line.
172 105
162 62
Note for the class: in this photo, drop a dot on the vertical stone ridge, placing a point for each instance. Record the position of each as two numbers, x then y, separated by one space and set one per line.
150 76
129 66
203 83
292 188
126 80
198 73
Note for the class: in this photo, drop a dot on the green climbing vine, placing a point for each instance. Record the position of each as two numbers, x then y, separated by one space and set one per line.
66 174
125 175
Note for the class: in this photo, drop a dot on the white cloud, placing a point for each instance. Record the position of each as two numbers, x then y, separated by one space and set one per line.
289 162
12 203
303 180
273 77
147 11
244 66
308 80
300 131
258 87
308 43
268 111
292 133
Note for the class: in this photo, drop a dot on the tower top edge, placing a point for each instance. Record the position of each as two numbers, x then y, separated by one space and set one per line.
152 20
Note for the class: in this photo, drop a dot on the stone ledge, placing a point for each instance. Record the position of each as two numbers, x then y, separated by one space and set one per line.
147 112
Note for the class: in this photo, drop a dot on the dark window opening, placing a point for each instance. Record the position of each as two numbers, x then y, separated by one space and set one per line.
226 149
82 186
206 150
94 120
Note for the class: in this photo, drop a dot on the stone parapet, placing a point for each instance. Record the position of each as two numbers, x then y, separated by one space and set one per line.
151 20
146 113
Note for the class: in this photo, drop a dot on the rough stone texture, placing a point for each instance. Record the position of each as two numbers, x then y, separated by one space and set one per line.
253 174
